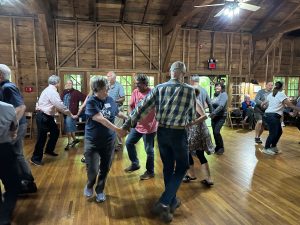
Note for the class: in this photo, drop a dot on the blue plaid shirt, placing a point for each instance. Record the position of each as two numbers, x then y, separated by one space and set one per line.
175 105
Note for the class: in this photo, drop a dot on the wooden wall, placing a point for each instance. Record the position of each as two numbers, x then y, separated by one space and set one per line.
89 46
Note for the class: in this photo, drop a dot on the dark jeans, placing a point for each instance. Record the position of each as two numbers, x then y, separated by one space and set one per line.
250 114
173 148
98 158
10 180
217 123
133 138
45 124
275 130
200 155
23 166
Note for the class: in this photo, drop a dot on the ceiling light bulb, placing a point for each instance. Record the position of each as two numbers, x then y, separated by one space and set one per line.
236 11
230 14
226 12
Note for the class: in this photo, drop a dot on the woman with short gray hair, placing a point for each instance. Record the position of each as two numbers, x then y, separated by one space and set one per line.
100 135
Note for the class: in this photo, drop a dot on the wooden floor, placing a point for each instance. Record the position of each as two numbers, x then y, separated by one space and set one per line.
250 188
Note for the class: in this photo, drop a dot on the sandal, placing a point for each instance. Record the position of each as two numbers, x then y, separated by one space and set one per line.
207 183
188 178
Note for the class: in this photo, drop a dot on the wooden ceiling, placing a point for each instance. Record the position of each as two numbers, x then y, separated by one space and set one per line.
273 14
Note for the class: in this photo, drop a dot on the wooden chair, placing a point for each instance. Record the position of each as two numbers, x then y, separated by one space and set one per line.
234 120
29 118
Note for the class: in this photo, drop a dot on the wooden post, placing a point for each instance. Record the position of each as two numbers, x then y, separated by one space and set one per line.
198 50
115 49
16 53
35 59
267 66
150 47
212 48
96 48
12 42
159 50
292 57
76 43
241 55
133 48
188 51
279 57
56 45
183 46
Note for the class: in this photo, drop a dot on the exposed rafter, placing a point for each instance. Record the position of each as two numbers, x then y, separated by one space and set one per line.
289 15
270 46
170 48
284 28
273 11
123 10
146 11
174 7
182 17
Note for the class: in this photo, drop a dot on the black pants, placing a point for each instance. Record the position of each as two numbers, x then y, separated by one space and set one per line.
217 123
45 124
10 180
275 129
200 155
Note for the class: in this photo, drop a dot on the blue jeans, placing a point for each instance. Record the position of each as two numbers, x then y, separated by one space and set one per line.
133 138
173 148
275 130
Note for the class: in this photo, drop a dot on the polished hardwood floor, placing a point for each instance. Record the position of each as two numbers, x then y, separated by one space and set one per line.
250 188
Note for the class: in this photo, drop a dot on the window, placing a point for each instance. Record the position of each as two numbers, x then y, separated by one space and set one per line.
293 86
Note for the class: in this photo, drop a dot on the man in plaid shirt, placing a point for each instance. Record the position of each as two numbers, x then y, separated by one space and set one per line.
175 106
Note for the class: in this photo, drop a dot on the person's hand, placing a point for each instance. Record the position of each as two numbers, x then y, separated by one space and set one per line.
13 134
75 117
121 132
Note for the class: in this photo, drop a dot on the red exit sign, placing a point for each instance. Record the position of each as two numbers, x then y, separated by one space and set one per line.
28 89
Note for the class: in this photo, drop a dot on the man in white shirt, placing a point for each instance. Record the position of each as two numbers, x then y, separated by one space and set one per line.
48 102
8 161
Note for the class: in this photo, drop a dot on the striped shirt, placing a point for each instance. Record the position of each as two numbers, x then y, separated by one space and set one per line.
174 102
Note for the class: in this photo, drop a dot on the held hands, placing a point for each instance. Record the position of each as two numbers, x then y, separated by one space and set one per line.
121 132
75 117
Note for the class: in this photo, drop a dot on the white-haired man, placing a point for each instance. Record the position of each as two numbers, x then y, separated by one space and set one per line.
48 102
175 106
12 95
116 91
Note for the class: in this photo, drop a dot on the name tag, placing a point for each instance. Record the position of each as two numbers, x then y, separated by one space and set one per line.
107 105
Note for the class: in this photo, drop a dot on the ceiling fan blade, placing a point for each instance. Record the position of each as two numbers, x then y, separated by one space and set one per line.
249 6
220 13
202 6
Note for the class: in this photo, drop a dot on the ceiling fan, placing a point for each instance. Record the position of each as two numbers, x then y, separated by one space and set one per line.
232 7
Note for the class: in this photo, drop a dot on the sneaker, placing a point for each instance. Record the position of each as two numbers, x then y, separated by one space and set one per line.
51 153
75 142
268 151
175 205
258 141
147 175
220 151
132 168
163 212
276 150
69 145
88 192
282 124
100 197
82 159
35 162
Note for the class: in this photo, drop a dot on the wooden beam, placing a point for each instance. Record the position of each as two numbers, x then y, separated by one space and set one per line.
182 18
213 43
123 10
284 28
136 45
170 49
292 56
146 11
268 49
47 41
80 45
174 6
279 56
273 11
289 15
92 10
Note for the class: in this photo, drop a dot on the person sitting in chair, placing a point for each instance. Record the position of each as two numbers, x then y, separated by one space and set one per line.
248 111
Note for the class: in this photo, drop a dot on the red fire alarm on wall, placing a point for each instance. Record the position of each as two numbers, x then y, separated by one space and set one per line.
28 89
212 64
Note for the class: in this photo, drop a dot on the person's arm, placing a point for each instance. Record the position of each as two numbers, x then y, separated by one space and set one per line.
258 98
208 102
122 116
82 106
58 104
121 98
20 110
131 103
291 105
202 114
222 103
105 122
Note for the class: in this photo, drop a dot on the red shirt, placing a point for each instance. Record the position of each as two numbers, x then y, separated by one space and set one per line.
148 124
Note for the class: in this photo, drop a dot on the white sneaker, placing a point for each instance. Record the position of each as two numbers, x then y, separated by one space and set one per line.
282 124
101 197
276 150
88 192
268 151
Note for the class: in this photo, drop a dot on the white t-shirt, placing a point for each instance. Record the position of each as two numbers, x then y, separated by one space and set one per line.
276 103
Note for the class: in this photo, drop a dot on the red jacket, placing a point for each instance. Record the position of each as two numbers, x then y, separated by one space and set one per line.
76 97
